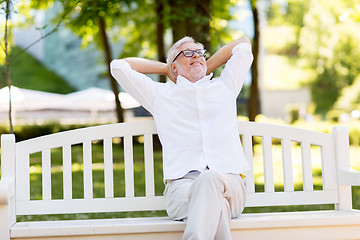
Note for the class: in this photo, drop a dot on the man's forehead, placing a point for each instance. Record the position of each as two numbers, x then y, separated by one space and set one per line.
188 46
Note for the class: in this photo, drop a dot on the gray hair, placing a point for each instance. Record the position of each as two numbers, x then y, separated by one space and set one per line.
173 50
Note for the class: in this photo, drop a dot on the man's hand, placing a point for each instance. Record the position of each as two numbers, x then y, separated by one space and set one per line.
147 66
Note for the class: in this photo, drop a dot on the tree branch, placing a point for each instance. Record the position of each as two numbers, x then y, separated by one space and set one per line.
2 47
47 34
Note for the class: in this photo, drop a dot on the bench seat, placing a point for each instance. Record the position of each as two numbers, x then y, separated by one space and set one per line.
303 225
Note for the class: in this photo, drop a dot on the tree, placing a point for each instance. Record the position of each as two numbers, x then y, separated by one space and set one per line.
160 31
92 20
9 9
199 19
191 18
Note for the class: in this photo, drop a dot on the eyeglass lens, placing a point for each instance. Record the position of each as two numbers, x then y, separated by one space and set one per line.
190 53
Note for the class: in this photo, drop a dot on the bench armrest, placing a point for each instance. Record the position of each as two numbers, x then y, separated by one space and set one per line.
348 176
7 190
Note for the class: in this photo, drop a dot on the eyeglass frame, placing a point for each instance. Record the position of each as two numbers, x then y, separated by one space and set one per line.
193 51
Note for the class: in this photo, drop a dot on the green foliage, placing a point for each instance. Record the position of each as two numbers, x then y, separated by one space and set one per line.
324 35
220 32
139 33
18 8
287 16
329 42
349 98
27 72
289 12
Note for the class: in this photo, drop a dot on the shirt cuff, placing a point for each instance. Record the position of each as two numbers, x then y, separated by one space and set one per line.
119 64
241 47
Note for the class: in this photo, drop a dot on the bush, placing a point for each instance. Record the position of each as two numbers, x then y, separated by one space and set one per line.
354 134
326 127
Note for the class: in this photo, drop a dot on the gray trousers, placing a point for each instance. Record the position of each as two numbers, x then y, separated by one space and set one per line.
206 201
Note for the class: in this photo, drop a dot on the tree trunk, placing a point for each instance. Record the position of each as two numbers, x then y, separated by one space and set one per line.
108 58
7 62
197 25
253 106
160 34
178 20
203 34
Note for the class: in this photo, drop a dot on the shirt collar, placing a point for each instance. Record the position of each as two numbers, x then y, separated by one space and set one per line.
182 81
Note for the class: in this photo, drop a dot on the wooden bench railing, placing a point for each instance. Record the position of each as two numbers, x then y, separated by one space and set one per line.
15 187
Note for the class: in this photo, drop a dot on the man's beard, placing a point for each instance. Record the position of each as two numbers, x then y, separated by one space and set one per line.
194 74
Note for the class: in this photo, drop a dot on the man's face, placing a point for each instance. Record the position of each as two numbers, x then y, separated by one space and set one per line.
193 68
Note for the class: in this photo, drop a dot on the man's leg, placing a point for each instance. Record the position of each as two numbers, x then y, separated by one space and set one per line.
214 198
177 196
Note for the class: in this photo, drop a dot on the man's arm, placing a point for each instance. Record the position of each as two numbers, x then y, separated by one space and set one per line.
147 66
223 54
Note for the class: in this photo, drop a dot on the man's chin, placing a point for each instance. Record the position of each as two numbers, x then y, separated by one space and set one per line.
194 77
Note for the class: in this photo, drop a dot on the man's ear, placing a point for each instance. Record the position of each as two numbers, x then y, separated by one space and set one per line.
174 69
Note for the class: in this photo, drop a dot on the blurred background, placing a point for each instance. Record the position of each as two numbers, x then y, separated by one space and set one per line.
306 70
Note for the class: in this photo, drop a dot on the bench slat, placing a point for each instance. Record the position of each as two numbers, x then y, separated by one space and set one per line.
305 225
46 174
247 144
149 165
268 164
306 167
59 206
291 198
329 174
288 132
287 165
87 165
22 170
108 168
67 176
77 136
129 166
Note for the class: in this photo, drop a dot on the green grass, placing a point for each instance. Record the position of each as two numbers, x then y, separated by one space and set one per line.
27 72
119 191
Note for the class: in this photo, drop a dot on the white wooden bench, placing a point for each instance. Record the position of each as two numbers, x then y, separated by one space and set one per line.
337 178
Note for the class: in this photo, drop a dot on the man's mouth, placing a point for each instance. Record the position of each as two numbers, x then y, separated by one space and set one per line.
197 63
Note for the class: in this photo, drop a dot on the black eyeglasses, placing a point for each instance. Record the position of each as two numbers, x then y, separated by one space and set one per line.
190 53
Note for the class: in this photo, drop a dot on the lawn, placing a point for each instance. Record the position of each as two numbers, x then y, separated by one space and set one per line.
119 191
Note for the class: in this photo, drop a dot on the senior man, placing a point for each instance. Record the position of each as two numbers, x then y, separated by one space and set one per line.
195 115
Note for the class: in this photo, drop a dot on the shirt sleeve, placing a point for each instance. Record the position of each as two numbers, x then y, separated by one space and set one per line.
237 67
138 85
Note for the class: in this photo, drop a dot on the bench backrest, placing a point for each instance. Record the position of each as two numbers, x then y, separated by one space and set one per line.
22 151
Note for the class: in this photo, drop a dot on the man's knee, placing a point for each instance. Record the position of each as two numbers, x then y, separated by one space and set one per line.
176 198
209 180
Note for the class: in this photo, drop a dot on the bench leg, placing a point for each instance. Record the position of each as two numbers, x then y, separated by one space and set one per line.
4 212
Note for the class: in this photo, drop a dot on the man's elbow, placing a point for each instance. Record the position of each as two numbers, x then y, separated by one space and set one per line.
244 39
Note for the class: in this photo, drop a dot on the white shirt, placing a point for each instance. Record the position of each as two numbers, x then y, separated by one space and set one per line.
196 122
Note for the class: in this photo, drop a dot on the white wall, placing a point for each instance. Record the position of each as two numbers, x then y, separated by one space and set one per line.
277 103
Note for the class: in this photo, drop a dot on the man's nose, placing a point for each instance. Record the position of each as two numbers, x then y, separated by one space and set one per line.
196 55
